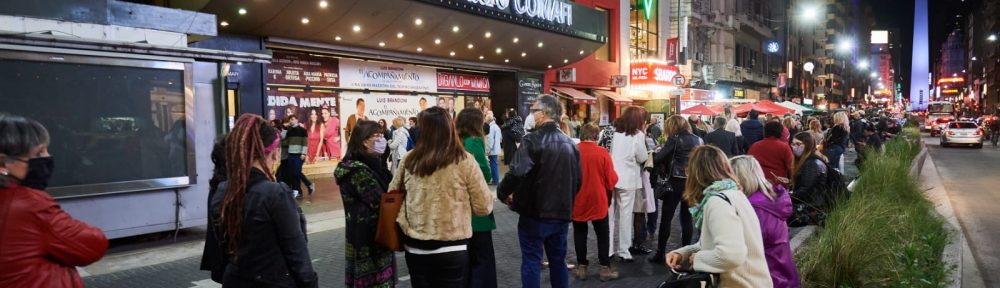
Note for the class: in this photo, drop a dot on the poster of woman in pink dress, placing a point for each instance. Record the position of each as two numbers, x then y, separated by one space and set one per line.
331 133
315 136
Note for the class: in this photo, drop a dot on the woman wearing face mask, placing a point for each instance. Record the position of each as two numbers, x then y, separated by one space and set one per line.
444 189
363 177
41 243
256 222
809 168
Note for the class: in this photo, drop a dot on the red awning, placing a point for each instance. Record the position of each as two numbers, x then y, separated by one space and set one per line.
578 96
699 109
618 99
764 106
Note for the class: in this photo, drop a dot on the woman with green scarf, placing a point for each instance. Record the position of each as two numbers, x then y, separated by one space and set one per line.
482 262
730 243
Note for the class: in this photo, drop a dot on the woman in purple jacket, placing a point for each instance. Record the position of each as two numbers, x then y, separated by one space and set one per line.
773 206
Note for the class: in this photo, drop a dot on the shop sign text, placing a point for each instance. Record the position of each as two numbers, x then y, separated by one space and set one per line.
553 11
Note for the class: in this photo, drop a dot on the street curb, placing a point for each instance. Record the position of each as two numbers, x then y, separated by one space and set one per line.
315 223
801 238
957 252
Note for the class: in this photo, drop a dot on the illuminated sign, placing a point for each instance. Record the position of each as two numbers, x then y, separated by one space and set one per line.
773 47
880 37
952 91
647 6
951 80
652 72
554 11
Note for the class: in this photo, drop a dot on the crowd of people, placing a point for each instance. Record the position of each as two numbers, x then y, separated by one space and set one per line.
736 182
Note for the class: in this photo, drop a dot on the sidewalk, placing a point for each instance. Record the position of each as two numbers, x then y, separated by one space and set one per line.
176 265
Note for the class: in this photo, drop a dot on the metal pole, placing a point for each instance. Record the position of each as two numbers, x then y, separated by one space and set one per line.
788 49
678 106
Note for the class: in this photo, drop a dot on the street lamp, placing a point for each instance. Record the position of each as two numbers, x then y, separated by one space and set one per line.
845 45
992 37
863 65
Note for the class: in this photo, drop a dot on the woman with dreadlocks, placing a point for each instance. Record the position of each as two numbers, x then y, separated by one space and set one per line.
257 223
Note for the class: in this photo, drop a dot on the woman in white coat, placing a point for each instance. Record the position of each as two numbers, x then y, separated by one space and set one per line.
628 154
400 137
731 242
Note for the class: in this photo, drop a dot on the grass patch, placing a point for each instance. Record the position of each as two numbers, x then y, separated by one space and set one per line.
885 235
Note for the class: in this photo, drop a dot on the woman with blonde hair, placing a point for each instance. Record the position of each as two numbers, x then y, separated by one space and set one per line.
672 159
815 130
835 143
731 242
397 146
773 206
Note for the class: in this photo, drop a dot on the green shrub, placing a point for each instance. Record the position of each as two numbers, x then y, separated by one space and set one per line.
885 235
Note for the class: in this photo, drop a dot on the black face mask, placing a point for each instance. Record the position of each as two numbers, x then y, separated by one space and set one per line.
39 173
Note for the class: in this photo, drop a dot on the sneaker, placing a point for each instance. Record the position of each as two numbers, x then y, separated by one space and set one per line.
639 250
624 260
581 272
297 194
608 274
545 264
312 188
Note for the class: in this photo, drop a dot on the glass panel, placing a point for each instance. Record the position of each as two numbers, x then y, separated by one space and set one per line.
107 123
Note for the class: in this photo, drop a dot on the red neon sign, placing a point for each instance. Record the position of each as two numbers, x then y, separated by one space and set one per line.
652 73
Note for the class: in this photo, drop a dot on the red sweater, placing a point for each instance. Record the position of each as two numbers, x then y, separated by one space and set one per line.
775 156
599 179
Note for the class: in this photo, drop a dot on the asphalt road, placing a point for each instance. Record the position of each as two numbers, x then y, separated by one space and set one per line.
970 176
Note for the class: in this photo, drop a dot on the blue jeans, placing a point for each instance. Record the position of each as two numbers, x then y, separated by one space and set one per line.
534 234
495 169
833 154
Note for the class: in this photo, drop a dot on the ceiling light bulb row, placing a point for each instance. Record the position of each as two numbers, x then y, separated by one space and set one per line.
323 4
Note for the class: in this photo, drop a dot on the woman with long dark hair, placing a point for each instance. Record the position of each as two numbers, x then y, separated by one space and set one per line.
363 177
212 257
444 189
316 132
257 223
40 244
809 169
482 261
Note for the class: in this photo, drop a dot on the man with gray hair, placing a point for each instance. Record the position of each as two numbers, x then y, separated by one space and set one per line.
725 140
541 185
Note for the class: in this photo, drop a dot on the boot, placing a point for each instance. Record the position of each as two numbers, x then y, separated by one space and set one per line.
581 272
608 274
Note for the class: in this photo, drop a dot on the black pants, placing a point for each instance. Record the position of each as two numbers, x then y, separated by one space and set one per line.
444 270
603 243
667 216
482 261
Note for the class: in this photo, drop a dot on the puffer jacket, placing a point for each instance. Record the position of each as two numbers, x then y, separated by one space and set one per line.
673 157
545 175
772 215
272 249
40 244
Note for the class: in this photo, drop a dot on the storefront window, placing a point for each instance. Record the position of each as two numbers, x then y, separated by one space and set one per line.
645 39
108 123
604 53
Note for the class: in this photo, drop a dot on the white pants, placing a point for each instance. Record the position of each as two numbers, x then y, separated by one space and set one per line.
620 213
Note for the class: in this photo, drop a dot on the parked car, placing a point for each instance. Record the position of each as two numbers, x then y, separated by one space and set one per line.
962 132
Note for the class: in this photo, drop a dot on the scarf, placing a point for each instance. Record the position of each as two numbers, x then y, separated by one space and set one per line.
378 167
697 212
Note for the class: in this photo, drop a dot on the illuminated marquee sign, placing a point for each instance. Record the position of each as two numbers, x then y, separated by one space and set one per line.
553 11
652 73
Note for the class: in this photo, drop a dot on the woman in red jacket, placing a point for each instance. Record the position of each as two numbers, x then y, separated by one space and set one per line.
591 203
40 244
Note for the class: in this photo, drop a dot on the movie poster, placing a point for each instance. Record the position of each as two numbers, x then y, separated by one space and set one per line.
355 106
317 112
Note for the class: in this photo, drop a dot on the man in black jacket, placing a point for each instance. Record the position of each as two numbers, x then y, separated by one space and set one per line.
543 180
723 139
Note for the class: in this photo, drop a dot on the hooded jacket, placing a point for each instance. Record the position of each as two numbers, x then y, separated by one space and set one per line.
774 231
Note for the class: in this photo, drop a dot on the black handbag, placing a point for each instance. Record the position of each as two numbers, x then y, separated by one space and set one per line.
690 279
661 187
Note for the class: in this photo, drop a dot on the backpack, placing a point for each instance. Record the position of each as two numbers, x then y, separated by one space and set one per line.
833 186
409 143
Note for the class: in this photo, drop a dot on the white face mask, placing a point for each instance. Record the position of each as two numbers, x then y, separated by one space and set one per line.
798 150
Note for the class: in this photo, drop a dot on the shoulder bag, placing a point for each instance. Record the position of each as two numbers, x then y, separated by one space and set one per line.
388 232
